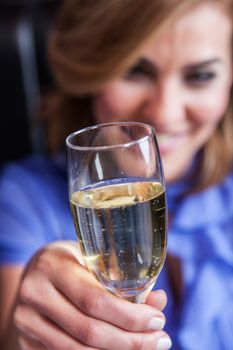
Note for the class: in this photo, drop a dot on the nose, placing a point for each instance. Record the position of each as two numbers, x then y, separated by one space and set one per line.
167 105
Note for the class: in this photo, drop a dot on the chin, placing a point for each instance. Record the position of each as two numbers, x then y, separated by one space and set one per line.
175 167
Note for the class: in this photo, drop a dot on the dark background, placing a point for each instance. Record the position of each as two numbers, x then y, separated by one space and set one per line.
24 74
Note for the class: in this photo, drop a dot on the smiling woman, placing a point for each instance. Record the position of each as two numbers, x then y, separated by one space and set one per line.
167 64
178 80
180 85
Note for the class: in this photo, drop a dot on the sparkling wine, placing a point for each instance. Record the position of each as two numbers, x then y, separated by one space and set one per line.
121 228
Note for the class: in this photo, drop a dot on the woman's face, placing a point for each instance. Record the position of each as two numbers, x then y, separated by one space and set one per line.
180 85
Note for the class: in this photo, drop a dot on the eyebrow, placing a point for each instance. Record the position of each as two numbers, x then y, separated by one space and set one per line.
147 64
203 64
152 69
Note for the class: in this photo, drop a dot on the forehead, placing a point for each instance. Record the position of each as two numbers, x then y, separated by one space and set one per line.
200 33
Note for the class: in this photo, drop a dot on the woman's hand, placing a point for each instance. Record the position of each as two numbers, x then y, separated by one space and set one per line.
61 306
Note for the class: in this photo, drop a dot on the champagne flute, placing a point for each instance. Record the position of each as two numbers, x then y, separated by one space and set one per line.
117 196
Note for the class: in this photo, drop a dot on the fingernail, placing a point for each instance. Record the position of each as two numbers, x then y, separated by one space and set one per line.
156 324
164 343
161 291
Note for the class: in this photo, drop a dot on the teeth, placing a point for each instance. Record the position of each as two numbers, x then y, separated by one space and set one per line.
164 137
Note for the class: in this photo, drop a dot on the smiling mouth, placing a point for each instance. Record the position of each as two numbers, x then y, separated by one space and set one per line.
169 141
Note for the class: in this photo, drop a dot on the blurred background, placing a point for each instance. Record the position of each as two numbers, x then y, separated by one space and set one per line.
24 74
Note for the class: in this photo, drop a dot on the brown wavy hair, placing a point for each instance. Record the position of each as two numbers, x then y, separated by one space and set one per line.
94 41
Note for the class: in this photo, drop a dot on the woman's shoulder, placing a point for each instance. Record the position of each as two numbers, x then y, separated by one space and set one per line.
201 227
213 205
30 165
37 178
33 206
227 184
37 169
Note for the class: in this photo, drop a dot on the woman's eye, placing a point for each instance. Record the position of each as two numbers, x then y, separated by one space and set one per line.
138 72
199 78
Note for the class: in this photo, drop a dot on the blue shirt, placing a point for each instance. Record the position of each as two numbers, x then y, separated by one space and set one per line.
34 210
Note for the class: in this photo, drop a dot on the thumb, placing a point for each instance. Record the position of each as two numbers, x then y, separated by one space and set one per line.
157 299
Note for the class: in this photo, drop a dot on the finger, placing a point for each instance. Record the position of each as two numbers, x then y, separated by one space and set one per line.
44 332
88 296
90 331
157 299
27 343
38 331
71 247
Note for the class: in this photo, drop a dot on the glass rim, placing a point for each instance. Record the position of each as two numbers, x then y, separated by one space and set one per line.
123 145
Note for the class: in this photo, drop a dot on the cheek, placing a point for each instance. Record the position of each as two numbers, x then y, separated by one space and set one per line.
210 107
118 103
